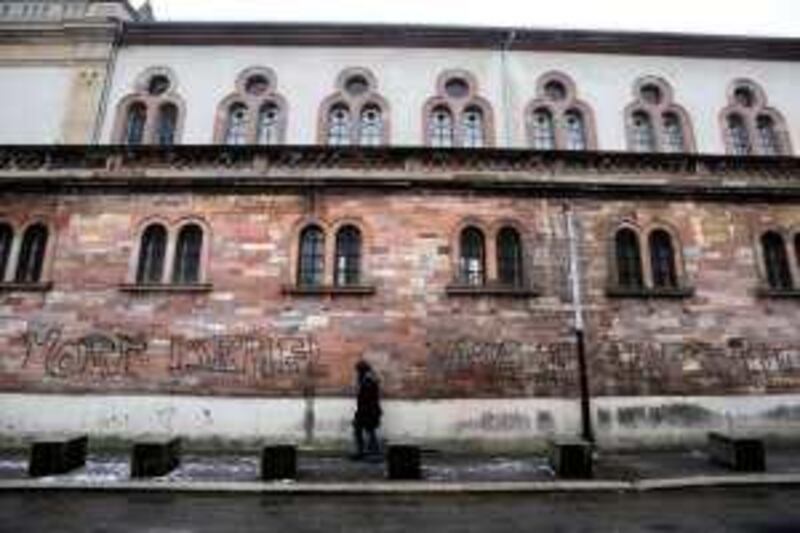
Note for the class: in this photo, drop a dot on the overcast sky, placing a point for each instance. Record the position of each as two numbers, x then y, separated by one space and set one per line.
762 17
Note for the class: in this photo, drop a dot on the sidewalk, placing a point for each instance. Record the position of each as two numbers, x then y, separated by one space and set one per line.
327 473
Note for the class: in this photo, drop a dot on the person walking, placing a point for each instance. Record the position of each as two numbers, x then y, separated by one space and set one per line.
367 418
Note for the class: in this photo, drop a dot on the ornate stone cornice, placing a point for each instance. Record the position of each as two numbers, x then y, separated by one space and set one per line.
217 168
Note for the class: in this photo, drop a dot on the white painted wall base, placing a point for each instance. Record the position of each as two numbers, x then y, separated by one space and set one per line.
470 423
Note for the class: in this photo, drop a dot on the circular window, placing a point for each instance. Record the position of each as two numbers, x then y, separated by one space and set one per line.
456 88
555 90
356 85
256 85
744 96
159 84
651 94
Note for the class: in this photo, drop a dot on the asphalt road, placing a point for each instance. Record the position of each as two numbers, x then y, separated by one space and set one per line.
707 511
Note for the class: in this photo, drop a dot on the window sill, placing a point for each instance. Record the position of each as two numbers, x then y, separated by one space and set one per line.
489 290
328 290
166 287
767 292
15 286
646 293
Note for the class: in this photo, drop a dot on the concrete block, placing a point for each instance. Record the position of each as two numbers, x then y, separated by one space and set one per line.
57 455
404 462
278 462
155 457
737 453
571 458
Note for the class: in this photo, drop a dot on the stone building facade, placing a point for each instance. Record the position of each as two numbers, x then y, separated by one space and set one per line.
204 226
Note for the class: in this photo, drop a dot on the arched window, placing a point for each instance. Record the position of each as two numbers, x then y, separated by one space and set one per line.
767 136
6 240
311 267
236 130
339 125
370 131
441 131
544 133
662 260
643 137
188 250
738 137
629 259
152 250
473 124
509 257
268 127
166 124
472 264
673 138
31 254
776 262
348 256
134 123
575 130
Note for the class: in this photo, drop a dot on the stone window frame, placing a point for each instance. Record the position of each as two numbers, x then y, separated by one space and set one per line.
491 285
329 288
656 112
643 233
254 103
173 226
457 106
355 104
558 110
750 115
152 104
18 228
790 236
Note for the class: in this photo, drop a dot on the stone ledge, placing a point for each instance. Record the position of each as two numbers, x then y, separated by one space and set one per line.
328 290
648 293
15 286
489 290
138 288
766 292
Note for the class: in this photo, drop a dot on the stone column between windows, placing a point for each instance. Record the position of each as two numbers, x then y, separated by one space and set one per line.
329 267
791 257
13 257
169 257
490 260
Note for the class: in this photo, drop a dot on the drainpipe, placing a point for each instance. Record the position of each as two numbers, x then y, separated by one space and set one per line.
507 116
107 81
587 431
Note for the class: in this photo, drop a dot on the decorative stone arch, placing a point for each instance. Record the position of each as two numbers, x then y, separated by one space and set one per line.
488 247
657 109
205 250
294 235
788 235
558 109
20 229
356 103
457 105
136 235
750 114
153 101
677 250
527 241
367 241
255 87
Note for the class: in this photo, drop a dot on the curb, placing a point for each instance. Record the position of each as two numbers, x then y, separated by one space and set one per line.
406 487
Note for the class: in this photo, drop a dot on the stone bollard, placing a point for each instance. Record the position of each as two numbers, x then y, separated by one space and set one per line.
278 462
737 453
404 462
155 458
57 455
571 458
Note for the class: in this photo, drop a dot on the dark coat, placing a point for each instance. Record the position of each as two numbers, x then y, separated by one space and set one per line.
368 403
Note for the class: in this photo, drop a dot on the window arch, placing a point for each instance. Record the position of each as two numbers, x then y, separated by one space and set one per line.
629 259
152 251
254 113
457 116
188 250
32 254
655 123
509 257
347 267
152 113
356 113
6 242
776 262
311 261
750 126
662 260
472 256
556 119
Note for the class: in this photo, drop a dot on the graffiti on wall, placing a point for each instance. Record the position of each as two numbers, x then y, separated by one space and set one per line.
102 354
256 355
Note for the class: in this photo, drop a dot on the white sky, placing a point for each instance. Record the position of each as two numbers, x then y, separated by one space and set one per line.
747 17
